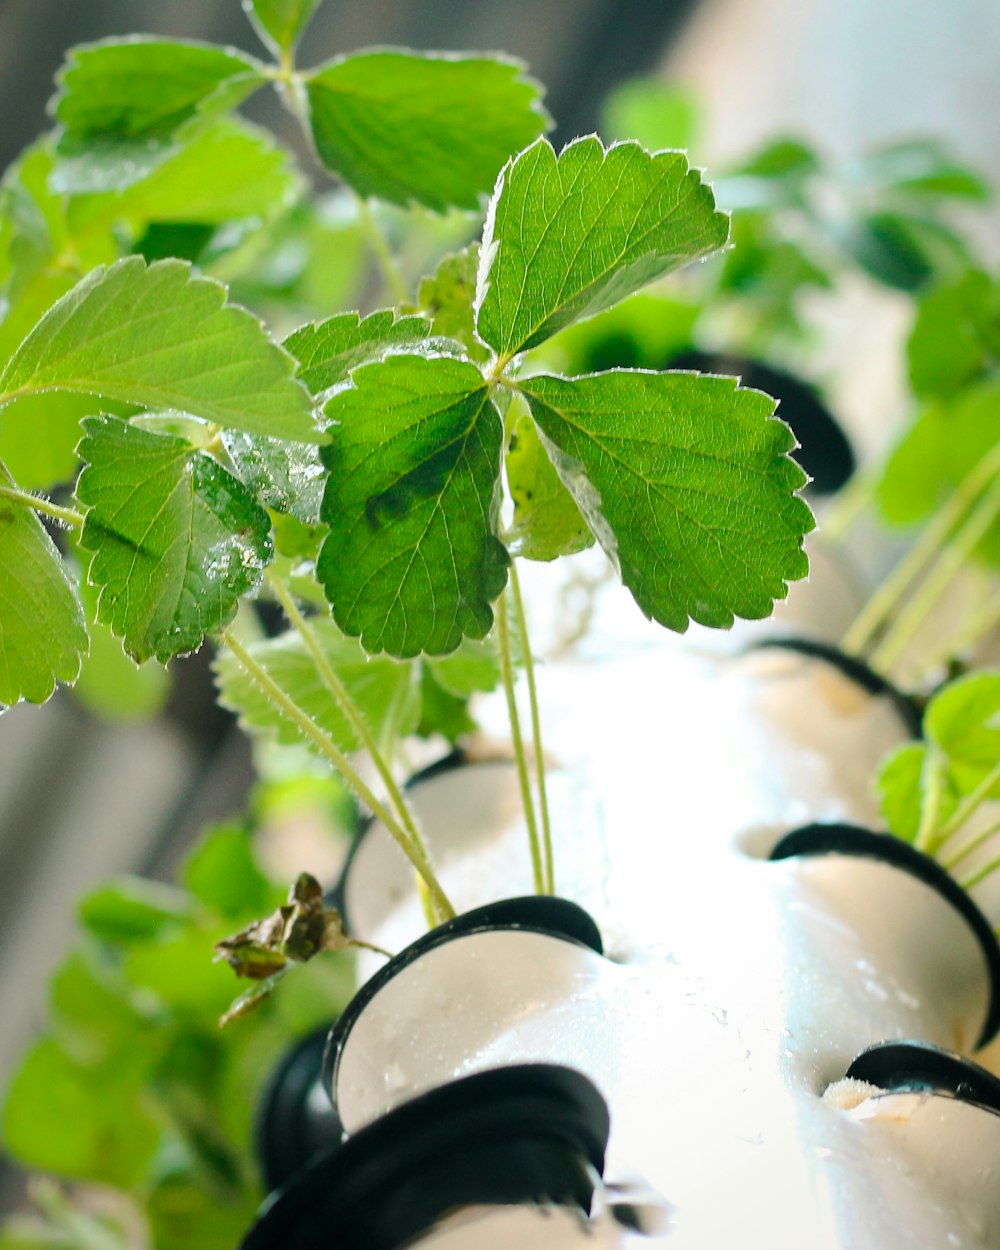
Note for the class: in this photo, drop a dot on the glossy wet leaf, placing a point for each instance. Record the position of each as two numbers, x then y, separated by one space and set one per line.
425 128
175 539
568 236
280 23
43 633
412 562
160 337
383 689
686 482
547 523
122 103
288 477
328 350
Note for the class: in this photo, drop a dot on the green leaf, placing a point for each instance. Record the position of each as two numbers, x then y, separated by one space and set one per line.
429 128
228 172
923 168
547 523
412 562
280 23
111 684
132 909
79 1121
686 483
328 350
899 789
221 871
963 719
442 712
570 236
381 688
784 159
643 332
474 667
956 336
176 539
43 635
123 103
158 337
653 113
906 252
288 477
38 438
937 453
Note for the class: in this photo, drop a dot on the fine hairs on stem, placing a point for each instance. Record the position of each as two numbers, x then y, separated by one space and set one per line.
289 708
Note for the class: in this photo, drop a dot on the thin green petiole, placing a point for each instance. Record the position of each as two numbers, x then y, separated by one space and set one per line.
66 516
932 784
536 732
289 708
507 674
336 687
970 804
884 601
380 250
973 844
980 874
938 579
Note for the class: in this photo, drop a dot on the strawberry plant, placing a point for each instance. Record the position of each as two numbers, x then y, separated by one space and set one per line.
356 471
375 465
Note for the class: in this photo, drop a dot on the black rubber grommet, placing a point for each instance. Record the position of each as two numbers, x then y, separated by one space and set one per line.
533 1133
854 669
844 839
289 1129
534 913
918 1067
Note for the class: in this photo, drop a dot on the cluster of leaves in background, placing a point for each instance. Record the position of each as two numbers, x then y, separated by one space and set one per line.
133 1085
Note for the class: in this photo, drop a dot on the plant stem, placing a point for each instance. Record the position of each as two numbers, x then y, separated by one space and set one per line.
67 516
285 704
973 844
977 625
346 704
848 506
932 779
536 731
883 602
937 581
380 250
972 801
507 674
336 687
980 874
